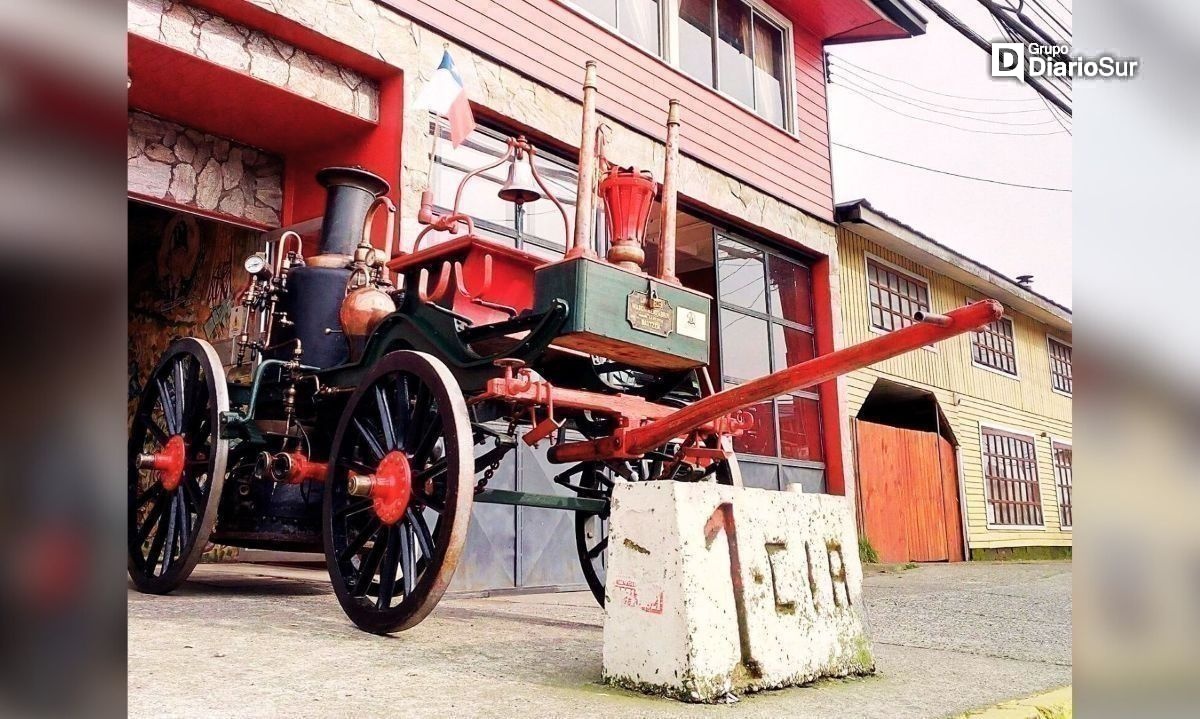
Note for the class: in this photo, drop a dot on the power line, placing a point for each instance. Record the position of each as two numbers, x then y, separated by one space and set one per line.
841 80
963 29
843 60
898 95
943 124
952 174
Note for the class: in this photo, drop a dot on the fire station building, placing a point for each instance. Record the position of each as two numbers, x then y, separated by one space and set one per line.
235 104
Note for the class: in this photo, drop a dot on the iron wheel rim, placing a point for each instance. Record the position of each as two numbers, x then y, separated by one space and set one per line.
184 396
388 577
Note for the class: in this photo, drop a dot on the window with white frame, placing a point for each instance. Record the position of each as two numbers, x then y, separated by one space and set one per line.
1061 377
639 20
1010 473
894 296
737 47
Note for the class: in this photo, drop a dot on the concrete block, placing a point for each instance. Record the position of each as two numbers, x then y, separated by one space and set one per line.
714 590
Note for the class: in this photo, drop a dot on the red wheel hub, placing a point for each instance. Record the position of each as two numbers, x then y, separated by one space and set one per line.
391 487
168 463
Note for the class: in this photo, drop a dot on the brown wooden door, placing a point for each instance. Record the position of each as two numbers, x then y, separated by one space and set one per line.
908 494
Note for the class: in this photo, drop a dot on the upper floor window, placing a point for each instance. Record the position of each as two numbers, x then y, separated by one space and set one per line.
994 347
1060 365
894 296
737 47
732 46
638 20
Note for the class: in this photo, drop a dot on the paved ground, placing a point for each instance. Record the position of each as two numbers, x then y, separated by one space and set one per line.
262 641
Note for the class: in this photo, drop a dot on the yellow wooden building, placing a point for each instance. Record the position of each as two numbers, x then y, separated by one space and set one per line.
963 449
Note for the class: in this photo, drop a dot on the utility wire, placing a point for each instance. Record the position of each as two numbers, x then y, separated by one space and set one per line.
952 174
843 61
844 82
963 29
898 94
872 100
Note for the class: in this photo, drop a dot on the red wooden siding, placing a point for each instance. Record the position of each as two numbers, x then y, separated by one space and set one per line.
549 43
908 494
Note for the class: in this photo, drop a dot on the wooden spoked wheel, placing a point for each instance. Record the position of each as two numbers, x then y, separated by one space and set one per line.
400 486
591 529
176 465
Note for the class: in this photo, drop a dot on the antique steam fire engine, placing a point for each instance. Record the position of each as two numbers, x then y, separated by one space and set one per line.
384 388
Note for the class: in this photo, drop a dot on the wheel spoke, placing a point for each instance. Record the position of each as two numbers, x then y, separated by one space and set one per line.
360 541
146 496
185 523
369 436
403 402
366 571
156 513
596 550
433 471
156 548
153 427
168 405
387 575
385 417
192 494
433 430
424 538
352 509
357 466
177 379
172 530
419 416
406 557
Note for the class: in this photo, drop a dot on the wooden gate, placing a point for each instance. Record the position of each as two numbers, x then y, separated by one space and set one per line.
908 494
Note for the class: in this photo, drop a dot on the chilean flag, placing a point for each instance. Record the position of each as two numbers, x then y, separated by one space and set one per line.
446 95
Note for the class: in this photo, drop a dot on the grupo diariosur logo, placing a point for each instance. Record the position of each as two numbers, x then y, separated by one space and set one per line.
1019 60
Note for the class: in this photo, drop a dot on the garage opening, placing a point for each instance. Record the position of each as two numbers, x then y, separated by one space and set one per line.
909 501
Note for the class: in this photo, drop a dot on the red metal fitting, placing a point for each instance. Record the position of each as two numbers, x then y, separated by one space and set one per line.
299 468
628 194
390 487
168 463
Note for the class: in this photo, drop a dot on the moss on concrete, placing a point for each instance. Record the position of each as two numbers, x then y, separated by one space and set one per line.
1020 553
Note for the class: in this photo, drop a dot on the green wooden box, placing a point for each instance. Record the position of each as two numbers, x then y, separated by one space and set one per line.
626 316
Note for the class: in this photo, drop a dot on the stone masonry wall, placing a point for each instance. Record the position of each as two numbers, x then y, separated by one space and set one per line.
189 168
251 52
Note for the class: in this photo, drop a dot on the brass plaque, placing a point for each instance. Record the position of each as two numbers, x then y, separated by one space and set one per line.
653 317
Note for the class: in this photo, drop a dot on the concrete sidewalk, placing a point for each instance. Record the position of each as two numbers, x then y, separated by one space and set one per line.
245 640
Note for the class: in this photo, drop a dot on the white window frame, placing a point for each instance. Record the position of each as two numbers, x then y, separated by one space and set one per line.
1067 443
1037 468
1050 364
1016 351
669 43
868 258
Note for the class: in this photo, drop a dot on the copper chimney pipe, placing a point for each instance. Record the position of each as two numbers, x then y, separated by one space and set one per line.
669 203
585 194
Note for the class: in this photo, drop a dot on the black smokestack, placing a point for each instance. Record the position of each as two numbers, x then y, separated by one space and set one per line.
349 194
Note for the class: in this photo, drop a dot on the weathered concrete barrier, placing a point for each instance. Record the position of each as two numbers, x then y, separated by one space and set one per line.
714 590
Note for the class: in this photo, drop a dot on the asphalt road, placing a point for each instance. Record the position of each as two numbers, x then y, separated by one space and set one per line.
262 641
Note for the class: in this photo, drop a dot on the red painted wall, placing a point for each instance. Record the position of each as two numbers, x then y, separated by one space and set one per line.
549 43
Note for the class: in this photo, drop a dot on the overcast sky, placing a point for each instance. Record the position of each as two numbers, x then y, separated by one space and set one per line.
1016 231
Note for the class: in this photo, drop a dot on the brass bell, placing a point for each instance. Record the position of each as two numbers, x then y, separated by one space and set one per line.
520 186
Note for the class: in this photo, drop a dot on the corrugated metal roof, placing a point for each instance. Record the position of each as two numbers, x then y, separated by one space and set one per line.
858 211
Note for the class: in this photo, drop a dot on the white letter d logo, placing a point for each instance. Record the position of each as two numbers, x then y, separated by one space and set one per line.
1008 60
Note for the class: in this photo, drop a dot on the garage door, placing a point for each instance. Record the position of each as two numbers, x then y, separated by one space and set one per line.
908 494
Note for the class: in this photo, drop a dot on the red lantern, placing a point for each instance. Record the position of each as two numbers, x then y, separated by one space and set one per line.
627 194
